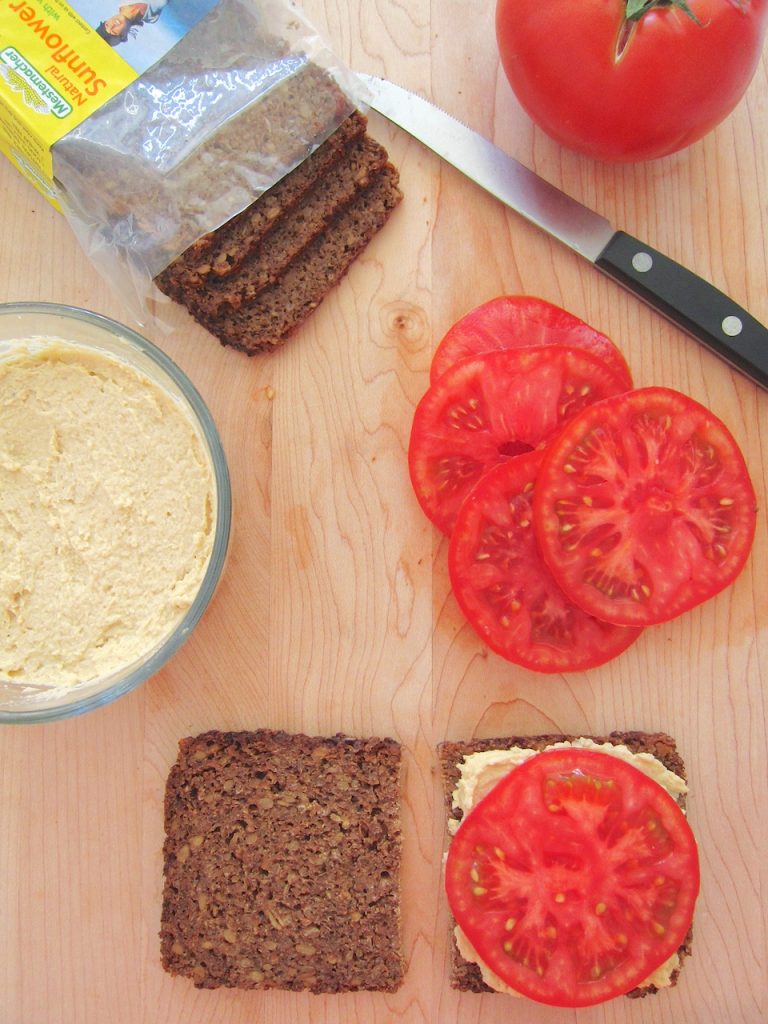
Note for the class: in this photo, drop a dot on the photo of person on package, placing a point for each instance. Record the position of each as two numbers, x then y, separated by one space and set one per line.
116 28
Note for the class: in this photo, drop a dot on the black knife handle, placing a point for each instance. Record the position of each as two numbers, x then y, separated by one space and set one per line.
690 302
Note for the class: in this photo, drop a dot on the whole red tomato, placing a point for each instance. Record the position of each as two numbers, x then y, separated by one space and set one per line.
629 79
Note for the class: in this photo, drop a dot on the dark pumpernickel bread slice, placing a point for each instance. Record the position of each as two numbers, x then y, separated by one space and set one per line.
361 162
282 862
466 976
255 279
222 252
280 308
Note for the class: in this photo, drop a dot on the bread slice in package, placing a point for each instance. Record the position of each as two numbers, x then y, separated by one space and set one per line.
282 862
243 94
174 130
256 279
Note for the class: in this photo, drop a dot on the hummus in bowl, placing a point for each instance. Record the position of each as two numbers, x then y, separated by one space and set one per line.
115 510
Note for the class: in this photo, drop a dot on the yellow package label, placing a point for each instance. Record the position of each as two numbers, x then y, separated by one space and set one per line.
55 70
59 64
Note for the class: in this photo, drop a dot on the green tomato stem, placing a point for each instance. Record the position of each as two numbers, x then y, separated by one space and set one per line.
636 9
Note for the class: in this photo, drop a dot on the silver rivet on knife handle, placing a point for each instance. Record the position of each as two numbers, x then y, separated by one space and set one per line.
642 262
689 301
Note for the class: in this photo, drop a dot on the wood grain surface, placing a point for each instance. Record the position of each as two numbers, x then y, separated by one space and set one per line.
335 612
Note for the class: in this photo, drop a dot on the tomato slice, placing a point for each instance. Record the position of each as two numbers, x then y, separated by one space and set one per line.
491 407
505 589
522 321
644 507
574 878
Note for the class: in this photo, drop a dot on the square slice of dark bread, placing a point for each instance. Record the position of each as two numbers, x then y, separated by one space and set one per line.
282 862
466 976
222 252
343 182
256 279
277 310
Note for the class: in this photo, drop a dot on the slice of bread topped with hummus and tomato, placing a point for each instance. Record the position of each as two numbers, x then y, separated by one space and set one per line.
572 872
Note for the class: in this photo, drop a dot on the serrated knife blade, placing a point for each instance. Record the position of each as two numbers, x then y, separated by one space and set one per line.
684 298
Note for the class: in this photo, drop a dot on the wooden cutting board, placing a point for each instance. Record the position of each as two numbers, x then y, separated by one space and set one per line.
335 612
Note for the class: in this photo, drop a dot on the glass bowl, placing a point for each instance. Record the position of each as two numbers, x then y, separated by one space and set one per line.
39 322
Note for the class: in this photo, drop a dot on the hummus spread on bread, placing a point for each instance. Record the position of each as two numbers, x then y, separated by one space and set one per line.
107 514
481 771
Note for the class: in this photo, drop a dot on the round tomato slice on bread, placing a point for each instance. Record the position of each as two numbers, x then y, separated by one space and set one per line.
644 507
522 321
574 878
505 589
492 407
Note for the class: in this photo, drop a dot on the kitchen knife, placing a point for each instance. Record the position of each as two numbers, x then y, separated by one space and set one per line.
687 300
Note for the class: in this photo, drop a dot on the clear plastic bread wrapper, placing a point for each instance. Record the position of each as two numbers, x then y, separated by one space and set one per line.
240 100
